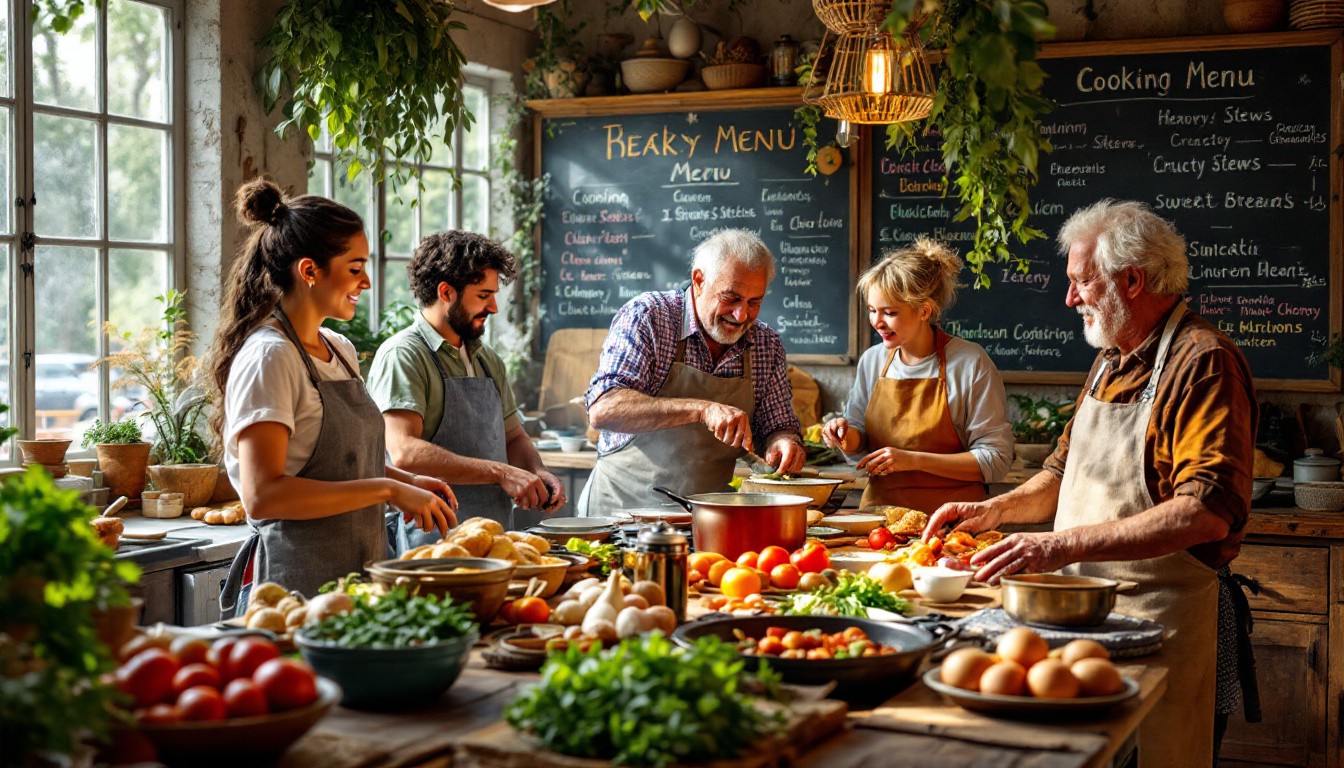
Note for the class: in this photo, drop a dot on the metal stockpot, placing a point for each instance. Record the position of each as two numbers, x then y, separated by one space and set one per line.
733 523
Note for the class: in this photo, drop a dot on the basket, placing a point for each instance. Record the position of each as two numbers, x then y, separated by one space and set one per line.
722 77
651 75
1316 14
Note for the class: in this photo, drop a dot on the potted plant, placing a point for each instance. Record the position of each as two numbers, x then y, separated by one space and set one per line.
1038 428
122 455
366 340
560 68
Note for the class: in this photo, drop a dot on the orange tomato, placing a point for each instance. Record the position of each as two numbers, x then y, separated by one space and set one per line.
771 557
785 576
740 582
717 570
509 613
531 610
812 558
701 561
747 559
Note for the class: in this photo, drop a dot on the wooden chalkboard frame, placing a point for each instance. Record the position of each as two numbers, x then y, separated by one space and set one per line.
715 101
1332 38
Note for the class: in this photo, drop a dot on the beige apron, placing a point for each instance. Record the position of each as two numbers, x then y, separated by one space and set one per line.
913 415
686 459
1104 482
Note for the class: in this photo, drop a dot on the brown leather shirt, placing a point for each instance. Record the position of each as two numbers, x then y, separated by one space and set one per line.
1201 439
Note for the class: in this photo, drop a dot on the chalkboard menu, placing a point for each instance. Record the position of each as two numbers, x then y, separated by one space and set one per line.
630 196
1233 146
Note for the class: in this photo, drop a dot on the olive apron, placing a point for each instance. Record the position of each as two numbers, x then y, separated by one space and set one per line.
1104 482
687 459
913 415
302 555
472 425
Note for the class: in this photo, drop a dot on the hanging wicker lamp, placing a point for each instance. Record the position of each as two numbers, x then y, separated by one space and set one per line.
864 74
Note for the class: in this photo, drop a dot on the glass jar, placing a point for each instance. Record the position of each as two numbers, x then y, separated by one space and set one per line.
783 62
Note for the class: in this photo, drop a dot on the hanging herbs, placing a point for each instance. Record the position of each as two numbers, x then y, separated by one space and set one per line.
382 76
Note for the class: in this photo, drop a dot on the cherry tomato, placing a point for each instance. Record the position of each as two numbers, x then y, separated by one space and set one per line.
201 703
219 655
747 559
509 613
881 537
139 643
812 558
193 675
190 650
785 576
244 698
531 610
286 683
771 557
159 713
148 677
248 654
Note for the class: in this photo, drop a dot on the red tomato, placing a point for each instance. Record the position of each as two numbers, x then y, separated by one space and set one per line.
244 698
881 537
190 650
201 703
771 557
785 576
531 610
812 558
159 713
248 654
286 683
148 677
193 675
219 655
747 559
509 613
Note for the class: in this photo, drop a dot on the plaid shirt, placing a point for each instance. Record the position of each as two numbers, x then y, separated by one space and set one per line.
643 340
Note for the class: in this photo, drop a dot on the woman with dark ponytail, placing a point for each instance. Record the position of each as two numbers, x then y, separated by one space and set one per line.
303 441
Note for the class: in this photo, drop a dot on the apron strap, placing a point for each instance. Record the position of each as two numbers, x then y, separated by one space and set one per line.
1163 347
679 356
288 329
890 356
746 363
433 355
940 341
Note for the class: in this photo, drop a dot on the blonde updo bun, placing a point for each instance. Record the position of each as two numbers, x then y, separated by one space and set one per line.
260 201
925 272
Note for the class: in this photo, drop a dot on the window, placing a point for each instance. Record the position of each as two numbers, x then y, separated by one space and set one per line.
438 206
90 232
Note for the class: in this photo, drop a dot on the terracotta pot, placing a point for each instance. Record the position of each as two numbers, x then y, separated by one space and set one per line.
1255 15
124 467
194 481
43 451
224 490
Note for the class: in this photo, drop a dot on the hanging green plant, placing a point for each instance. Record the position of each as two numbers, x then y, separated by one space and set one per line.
382 76
60 15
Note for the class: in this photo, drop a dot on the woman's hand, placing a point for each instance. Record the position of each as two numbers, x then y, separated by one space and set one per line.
838 434
439 488
420 503
884 461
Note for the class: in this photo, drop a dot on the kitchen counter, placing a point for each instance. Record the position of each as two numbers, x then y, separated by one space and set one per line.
182 572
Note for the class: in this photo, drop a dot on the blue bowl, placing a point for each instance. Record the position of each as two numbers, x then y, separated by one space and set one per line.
389 678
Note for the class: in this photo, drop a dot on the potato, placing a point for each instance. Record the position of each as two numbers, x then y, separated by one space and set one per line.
268 619
502 549
664 619
267 593
651 591
569 613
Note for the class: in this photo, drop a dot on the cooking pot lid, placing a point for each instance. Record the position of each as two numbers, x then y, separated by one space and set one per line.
661 535
1314 458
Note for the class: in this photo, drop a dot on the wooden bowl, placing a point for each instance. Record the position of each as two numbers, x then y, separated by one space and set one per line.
652 75
723 77
484 590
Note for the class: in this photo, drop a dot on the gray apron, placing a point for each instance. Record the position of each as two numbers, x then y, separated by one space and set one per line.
302 555
472 426
687 459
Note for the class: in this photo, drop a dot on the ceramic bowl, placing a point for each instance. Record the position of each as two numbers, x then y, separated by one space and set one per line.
572 444
818 490
940 585
1260 487
856 561
651 75
1319 497
484 589
1032 454
552 574
389 678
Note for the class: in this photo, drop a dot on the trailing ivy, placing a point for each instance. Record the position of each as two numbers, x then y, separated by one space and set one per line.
382 76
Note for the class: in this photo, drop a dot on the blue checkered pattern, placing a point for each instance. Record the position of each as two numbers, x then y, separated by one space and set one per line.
642 342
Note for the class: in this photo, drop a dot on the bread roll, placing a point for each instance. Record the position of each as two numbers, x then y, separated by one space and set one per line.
476 542
526 554
502 548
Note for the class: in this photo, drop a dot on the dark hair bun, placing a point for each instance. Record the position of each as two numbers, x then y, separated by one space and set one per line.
259 201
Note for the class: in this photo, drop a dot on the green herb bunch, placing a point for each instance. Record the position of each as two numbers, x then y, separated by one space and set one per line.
608 555
395 620
853 595
1042 421
112 433
366 340
53 573
646 702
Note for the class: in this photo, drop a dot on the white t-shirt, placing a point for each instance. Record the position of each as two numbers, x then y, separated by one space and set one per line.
268 382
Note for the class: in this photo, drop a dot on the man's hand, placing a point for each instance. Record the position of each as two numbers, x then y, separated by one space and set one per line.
969 516
556 491
730 425
526 489
884 461
786 453
1023 553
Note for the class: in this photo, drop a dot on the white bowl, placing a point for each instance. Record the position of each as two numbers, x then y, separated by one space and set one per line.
572 444
856 562
940 585
855 524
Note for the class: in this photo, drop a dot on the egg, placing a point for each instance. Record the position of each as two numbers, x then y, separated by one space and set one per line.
1097 677
1051 679
1006 678
1083 649
962 668
1023 646
684 39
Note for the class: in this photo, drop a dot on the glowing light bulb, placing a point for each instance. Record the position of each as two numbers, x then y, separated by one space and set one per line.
877 67
844 133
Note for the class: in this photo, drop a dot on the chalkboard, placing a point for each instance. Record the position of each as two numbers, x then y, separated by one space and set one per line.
1232 145
631 195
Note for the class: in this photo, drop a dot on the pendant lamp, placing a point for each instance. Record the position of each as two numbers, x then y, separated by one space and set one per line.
864 74
517 6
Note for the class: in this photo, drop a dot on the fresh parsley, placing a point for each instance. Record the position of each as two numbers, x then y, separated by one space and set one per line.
608 555
852 596
396 620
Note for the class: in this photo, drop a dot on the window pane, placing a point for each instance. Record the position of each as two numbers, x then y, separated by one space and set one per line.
6 386
4 57
137 184
476 142
436 201
318 176
358 195
134 278
440 153
6 152
475 204
63 285
399 218
65 66
137 66
398 287
65 156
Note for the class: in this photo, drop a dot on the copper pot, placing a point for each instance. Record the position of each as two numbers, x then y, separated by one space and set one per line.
733 523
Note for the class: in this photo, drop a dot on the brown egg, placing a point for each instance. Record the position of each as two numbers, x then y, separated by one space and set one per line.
1007 678
1097 677
1050 679
1023 646
1083 649
963 668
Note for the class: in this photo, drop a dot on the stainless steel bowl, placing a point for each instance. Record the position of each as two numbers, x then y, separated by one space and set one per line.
1056 600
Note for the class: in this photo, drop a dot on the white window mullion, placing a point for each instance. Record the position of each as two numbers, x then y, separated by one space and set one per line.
102 310
22 376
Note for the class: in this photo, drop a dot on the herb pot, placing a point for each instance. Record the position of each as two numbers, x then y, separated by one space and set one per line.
43 451
123 466
1315 467
196 482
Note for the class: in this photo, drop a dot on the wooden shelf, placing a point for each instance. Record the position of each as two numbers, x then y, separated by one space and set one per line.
645 103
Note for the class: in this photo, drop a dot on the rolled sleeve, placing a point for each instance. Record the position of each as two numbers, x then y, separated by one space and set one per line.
397 380
771 388
1212 449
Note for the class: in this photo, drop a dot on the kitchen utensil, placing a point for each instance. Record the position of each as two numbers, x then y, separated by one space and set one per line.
1260 487
1315 466
818 490
115 506
733 523
1319 497
1025 706
560 537
389 678
484 587
1055 600
572 444
674 515
758 465
660 557
823 532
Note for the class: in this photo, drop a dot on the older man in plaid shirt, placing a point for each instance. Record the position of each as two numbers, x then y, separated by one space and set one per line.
688 379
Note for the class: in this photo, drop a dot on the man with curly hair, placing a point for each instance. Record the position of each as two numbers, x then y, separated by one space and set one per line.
448 407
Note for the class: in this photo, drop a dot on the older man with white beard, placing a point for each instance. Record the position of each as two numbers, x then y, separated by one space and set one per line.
690 379
1151 481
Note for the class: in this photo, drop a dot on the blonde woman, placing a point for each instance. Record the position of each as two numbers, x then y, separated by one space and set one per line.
927 410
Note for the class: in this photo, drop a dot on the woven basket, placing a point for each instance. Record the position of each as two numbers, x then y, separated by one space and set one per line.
1316 14
1255 15
650 75
723 77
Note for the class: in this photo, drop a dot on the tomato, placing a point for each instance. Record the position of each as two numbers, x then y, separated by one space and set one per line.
148 677
159 713
776 632
785 576
193 675
201 703
812 558
740 582
219 655
881 537
509 612
771 557
244 698
747 559
140 643
717 570
531 610
286 683
190 650
248 654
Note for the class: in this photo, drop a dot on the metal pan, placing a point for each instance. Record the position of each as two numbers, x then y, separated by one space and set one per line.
733 523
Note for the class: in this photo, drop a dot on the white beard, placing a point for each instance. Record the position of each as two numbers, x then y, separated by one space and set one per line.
722 335
1109 316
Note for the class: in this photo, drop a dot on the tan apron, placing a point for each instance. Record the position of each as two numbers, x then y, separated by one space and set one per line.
913 415
686 459
1104 482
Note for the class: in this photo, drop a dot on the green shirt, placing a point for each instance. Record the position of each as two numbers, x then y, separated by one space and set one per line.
403 377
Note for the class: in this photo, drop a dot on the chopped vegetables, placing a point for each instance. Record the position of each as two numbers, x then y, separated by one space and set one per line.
608 555
853 595
852 643
397 620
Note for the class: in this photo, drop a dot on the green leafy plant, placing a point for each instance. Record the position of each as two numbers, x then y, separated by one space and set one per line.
397 619
1334 354
853 595
113 433
54 573
1042 421
382 76
6 432
607 555
646 702
394 317
60 15
559 55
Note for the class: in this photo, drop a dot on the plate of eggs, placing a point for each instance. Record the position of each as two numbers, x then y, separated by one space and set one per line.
1023 677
